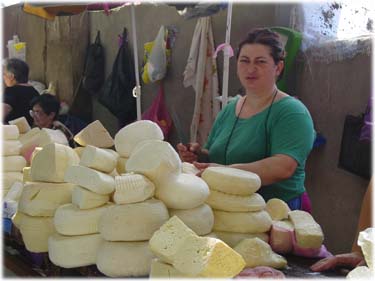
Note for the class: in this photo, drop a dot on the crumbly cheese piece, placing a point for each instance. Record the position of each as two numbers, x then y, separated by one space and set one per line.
73 251
132 188
256 252
14 192
10 132
233 238
189 168
207 257
133 222
243 222
155 159
11 147
124 259
17 219
277 209
9 178
231 180
14 163
131 135
79 150
160 269
165 242
86 199
42 198
93 180
21 123
94 134
70 220
50 164
47 136
199 219
281 236
182 191
308 233
98 159
35 232
26 174
235 203
121 163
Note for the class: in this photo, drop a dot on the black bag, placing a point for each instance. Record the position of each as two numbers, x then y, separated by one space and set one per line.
117 93
355 154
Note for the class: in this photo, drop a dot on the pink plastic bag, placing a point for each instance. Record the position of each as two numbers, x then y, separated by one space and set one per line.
158 113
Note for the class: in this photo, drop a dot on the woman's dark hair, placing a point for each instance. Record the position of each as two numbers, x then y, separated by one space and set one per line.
18 68
267 38
48 103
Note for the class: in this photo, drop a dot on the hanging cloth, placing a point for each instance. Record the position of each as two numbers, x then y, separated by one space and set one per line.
201 73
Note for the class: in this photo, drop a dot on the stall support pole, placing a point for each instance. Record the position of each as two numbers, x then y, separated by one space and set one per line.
137 88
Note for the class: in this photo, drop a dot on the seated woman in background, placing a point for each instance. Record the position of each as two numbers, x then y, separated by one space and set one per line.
17 93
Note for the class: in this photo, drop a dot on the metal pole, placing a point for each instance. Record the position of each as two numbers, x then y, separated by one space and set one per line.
137 88
226 56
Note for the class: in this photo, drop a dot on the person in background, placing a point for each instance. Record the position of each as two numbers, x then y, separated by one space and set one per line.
266 131
45 111
17 93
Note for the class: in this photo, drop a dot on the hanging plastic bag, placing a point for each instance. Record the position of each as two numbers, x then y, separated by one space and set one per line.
158 113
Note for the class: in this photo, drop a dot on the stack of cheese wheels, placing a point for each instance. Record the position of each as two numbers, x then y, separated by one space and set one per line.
43 193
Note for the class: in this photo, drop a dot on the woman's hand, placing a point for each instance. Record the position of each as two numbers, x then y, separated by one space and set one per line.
203 166
189 152
349 260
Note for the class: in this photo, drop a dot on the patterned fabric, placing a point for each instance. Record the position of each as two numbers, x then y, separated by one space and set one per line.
57 125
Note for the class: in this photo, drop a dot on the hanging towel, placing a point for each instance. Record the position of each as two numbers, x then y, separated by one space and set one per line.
201 73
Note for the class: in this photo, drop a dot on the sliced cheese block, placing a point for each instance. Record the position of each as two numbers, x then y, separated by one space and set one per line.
155 159
73 251
189 168
47 136
233 238
199 219
10 132
165 242
17 219
132 188
131 135
26 174
235 203
277 209
94 134
35 151
160 269
124 259
13 163
79 150
113 152
11 147
50 164
42 198
14 192
281 236
308 233
86 199
93 180
35 232
256 252
70 220
133 222
29 136
249 222
182 191
121 163
231 180
21 123
207 257
98 159
9 178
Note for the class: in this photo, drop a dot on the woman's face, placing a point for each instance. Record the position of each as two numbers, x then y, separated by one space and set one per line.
256 68
8 77
41 119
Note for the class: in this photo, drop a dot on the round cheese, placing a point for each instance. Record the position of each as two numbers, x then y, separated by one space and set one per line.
233 238
9 178
14 163
10 132
277 209
11 147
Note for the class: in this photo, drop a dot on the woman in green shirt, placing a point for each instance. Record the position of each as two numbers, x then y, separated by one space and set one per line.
266 131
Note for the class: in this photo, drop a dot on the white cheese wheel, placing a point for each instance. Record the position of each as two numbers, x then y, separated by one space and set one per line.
121 163
98 159
10 132
124 259
9 178
308 233
182 191
160 269
243 222
35 232
155 159
132 188
47 136
231 180
11 147
199 219
235 203
233 238
70 220
165 242
93 180
21 123
256 252
50 164
14 192
189 168
277 209
133 222
73 251
94 134
26 176
13 163
207 257
42 198
86 199
131 135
